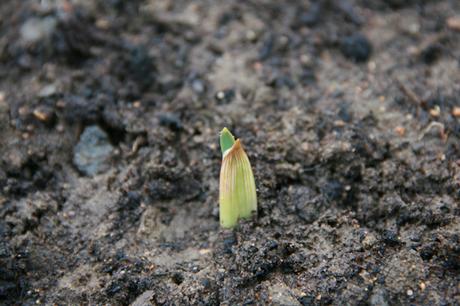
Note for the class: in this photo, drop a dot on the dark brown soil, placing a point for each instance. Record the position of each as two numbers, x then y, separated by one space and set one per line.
348 110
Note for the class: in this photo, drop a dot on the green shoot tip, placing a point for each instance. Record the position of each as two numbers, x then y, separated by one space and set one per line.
226 140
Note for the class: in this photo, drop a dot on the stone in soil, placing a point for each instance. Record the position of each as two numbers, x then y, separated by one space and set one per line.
93 151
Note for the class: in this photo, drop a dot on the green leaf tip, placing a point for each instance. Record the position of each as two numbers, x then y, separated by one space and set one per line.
226 140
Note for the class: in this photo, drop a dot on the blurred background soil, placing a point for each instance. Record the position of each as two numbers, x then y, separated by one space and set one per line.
109 159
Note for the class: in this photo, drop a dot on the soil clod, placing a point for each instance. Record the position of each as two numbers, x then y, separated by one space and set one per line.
356 47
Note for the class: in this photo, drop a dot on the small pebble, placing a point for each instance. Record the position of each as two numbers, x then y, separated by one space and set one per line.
198 86
258 66
225 96
306 59
47 91
422 286
372 66
410 292
369 241
453 23
456 111
103 24
305 146
435 111
251 35
36 29
43 114
23 111
414 28
92 152
204 251
220 95
400 131
283 41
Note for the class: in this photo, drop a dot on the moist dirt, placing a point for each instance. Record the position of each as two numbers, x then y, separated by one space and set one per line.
109 161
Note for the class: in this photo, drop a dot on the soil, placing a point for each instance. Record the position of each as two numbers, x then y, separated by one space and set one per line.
348 110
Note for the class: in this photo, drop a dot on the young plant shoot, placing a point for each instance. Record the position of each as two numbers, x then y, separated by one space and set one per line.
237 190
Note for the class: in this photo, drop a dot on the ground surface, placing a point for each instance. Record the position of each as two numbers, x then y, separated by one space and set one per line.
109 121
